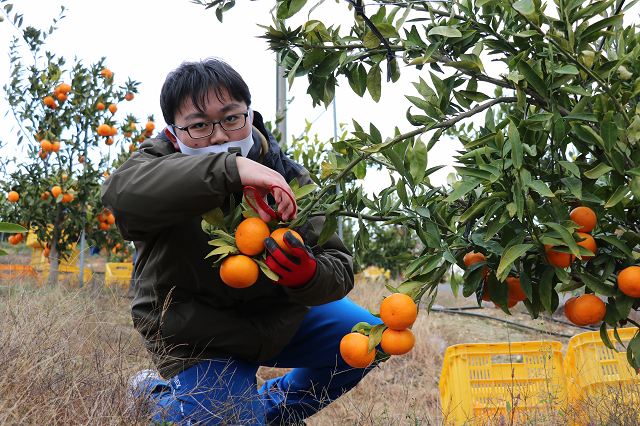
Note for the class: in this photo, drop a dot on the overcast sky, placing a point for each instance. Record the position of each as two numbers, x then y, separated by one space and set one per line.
146 39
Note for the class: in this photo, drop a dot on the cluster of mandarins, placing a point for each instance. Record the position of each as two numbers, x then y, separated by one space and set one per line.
398 312
241 270
109 131
586 218
46 147
61 93
516 294
16 239
56 191
106 219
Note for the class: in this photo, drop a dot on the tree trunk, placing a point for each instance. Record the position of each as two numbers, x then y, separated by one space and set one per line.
54 256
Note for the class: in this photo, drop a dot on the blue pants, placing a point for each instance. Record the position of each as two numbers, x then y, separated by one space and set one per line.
225 391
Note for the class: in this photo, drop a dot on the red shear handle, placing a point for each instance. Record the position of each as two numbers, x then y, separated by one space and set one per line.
264 206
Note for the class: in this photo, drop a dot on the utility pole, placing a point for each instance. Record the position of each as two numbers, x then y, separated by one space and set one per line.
281 104
335 139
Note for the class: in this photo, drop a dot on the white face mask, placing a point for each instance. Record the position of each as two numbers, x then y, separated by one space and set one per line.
242 146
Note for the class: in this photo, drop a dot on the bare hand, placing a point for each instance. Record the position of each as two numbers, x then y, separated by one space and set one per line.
263 178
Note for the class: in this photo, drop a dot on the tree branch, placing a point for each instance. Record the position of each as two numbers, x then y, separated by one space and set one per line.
445 124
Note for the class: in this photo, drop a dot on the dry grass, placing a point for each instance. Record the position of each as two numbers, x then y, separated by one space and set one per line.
66 356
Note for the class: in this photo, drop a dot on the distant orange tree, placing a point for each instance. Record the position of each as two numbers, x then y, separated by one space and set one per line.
71 141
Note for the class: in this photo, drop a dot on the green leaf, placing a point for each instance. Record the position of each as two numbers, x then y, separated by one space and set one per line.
375 336
624 304
510 256
292 73
574 90
614 241
526 7
574 185
566 236
597 26
472 277
464 65
474 96
525 284
220 242
371 40
546 288
498 292
250 213
378 147
225 236
595 284
598 171
215 217
445 31
224 250
360 170
617 196
11 228
328 229
496 225
476 209
468 171
533 79
418 161
455 284
582 117
609 132
402 192
463 188
304 191
516 147
541 188
313 58
633 352
362 326
571 167
567 69
374 83
265 270
604 336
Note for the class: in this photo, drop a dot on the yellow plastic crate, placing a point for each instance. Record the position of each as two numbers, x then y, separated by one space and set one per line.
118 273
485 381
9 273
593 370
39 261
68 273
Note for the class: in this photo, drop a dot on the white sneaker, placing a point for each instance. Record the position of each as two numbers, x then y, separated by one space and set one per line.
137 382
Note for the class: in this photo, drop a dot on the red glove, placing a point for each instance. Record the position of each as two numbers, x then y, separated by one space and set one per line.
294 270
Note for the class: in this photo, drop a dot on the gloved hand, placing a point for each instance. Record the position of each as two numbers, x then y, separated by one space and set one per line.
302 230
294 270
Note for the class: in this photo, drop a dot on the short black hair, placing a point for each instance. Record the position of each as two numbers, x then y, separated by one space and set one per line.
195 79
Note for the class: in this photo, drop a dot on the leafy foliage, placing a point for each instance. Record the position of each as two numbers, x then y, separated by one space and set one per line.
561 129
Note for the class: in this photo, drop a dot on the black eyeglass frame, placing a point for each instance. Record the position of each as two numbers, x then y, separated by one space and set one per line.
186 128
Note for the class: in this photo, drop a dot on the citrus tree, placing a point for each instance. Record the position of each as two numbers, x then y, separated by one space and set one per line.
555 128
71 140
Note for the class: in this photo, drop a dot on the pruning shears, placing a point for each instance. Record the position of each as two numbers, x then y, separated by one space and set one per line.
264 206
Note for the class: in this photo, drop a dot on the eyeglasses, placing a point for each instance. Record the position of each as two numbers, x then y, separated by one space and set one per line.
205 128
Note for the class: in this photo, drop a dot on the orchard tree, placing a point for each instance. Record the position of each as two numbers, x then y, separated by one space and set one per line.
71 141
560 130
